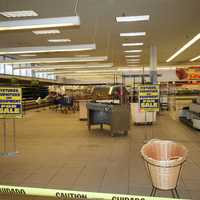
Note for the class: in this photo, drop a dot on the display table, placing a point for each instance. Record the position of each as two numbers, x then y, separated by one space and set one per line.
139 117
115 115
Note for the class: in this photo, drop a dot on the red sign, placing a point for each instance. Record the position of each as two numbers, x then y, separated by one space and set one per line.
190 73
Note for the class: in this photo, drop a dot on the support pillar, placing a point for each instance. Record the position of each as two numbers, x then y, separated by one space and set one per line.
153 64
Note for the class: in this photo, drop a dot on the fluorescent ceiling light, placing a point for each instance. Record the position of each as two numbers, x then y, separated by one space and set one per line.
52 67
194 59
45 32
129 69
146 68
21 13
65 69
132 44
81 56
83 71
133 62
166 68
39 23
95 71
133 59
60 70
187 45
133 56
133 18
132 65
84 75
56 60
28 55
80 72
59 40
89 76
132 34
45 49
133 51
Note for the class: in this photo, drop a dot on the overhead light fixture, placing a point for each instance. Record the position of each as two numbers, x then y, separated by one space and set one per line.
129 69
81 56
166 68
132 65
46 49
132 44
46 32
133 56
96 71
85 71
89 75
85 75
56 60
187 45
65 69
147 68
39 23
133 51
133 59
132 34
194 59
79 73
52 67
133 18
133 62
59 40
21 13
28 55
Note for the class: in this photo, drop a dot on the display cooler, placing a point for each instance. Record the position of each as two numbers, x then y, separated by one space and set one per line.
191 115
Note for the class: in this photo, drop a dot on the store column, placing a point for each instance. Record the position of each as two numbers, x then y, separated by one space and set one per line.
153 64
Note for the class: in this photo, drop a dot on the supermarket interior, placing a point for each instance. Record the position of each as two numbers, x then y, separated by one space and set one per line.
99 99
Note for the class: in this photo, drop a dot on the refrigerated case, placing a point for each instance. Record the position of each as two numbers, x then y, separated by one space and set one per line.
191 115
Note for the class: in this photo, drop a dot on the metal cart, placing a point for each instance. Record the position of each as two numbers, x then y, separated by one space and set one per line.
115 115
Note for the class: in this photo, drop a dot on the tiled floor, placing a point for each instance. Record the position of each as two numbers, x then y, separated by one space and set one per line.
57 151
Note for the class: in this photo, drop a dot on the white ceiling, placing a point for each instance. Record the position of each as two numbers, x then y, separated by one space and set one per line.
172 23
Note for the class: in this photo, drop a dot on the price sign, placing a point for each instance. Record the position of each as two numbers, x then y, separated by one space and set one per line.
10 102
149 98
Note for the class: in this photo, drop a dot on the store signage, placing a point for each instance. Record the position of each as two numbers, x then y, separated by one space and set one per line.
68 194
189 73
10 102
149 97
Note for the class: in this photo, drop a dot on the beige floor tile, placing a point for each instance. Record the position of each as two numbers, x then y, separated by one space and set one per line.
57 151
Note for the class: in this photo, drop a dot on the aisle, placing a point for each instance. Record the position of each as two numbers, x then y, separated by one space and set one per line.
56 151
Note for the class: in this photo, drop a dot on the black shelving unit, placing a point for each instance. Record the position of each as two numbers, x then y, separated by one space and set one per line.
32 93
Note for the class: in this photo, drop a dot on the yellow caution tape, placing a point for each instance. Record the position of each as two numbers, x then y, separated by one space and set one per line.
69 194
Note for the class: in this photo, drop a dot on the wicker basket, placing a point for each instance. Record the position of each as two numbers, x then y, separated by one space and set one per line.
164 160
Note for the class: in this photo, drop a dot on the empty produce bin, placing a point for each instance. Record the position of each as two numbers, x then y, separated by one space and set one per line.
164 160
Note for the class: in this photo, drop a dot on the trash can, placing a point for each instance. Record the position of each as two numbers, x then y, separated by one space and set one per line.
164 161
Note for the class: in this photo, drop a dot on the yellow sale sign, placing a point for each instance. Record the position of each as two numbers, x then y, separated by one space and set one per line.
10 102
149 97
